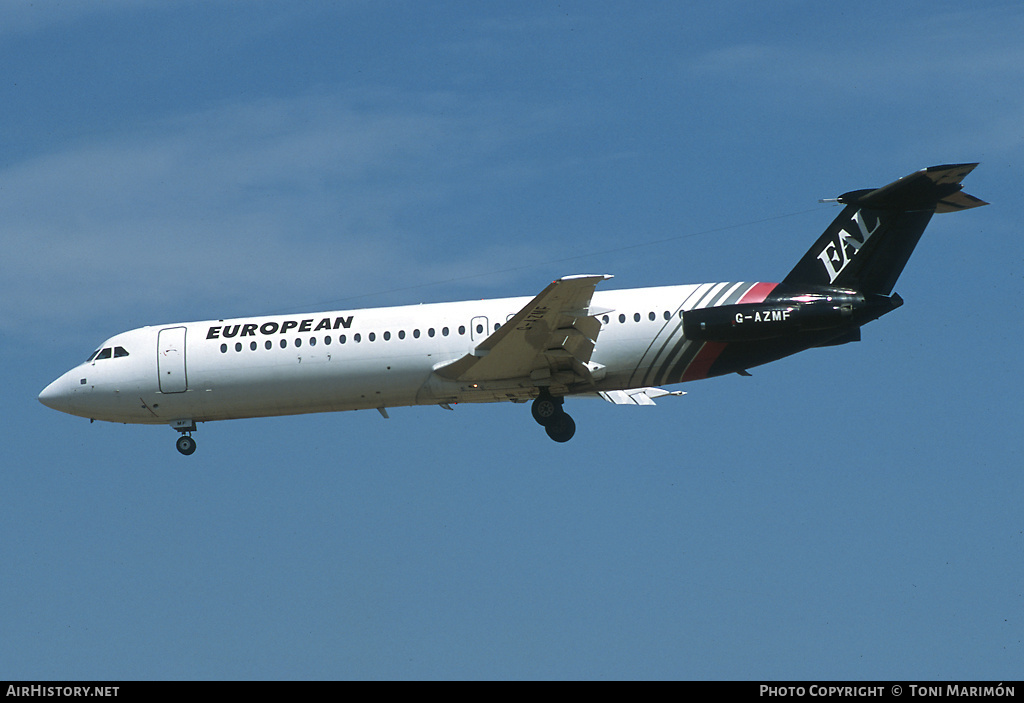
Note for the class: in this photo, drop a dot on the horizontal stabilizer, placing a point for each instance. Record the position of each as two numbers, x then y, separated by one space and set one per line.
922 190
869 243
958 201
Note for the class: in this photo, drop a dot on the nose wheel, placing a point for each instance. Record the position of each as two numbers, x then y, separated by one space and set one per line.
547 411
185 444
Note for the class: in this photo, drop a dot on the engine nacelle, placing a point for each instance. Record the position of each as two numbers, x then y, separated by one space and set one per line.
753 321
789 313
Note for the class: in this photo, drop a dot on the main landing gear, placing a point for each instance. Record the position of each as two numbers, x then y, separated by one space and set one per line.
547 411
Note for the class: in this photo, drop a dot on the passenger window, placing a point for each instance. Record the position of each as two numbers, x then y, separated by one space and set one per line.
269 344
387 336
622 318
462 329
223 348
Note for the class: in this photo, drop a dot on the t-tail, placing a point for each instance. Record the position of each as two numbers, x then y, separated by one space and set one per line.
843 282
867 246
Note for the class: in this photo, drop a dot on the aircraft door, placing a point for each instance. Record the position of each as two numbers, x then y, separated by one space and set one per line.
478 329
170 360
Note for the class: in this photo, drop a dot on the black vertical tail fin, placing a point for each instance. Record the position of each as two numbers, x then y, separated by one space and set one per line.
868 245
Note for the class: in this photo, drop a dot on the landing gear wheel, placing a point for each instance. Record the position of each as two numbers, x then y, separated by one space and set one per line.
562 428
186 445
546 408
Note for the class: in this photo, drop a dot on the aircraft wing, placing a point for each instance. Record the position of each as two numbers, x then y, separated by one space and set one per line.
549 340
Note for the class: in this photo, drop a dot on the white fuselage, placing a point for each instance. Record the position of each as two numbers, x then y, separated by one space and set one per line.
570 339
356 359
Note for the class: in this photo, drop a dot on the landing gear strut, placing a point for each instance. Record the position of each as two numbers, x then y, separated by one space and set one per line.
547 411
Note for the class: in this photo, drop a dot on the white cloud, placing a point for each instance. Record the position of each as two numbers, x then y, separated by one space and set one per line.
897 55
244 206
32 15
906 84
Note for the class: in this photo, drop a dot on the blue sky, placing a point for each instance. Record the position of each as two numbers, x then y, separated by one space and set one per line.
847 513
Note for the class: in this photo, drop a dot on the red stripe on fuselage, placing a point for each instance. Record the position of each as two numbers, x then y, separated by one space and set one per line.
701 363
758 292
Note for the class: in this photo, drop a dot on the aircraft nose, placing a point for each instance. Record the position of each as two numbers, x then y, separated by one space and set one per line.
57 395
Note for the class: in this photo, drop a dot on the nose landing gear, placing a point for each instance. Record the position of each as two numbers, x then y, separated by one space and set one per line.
185 444
547 411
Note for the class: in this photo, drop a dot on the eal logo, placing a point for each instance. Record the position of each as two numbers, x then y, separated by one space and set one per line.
838 253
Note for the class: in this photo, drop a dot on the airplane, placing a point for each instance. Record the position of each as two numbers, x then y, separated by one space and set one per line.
569 340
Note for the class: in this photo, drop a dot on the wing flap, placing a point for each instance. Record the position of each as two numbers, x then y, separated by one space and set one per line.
637 396
556 331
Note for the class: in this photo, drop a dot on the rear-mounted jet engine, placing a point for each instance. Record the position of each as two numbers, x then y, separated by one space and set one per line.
782 315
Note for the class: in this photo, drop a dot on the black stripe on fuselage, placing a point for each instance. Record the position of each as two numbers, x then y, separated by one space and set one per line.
675 352
674 373
674 329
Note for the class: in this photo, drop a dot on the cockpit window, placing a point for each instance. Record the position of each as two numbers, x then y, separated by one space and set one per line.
107 353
